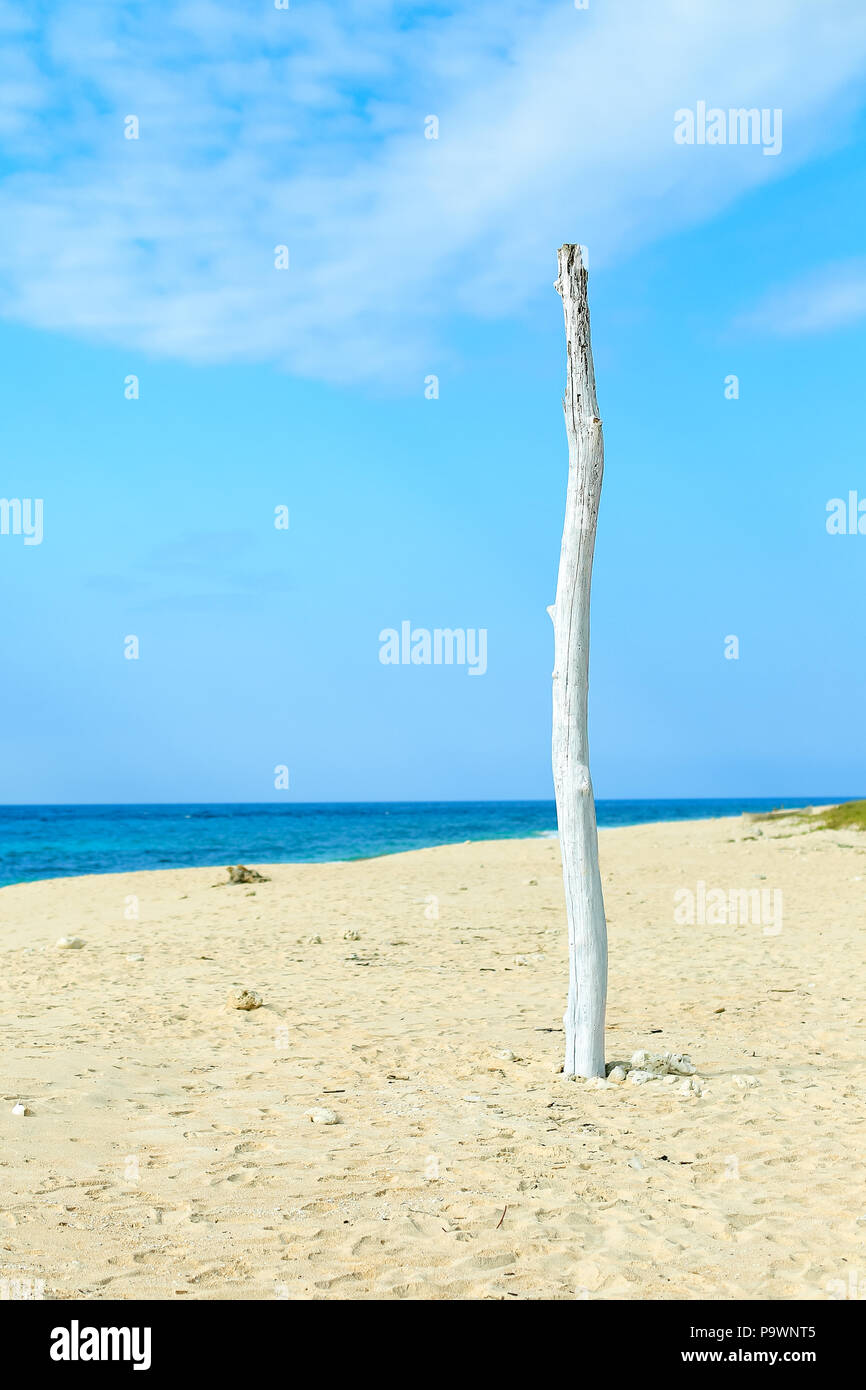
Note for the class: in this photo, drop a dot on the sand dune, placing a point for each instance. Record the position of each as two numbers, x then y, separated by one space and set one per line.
170 1153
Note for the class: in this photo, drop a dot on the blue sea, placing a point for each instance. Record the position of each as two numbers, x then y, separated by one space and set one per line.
60 841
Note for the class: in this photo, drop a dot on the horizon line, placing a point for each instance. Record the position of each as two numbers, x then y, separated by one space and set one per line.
419 801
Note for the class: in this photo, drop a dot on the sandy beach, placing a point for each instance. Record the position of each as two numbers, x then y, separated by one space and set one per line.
170 1153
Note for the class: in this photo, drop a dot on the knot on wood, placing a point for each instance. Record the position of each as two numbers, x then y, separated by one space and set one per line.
582 781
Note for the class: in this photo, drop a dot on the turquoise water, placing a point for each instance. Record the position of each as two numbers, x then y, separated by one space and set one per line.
59 841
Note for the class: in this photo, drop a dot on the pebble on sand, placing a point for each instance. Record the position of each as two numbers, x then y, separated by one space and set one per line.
21 1109
323 1116
69 943
244 999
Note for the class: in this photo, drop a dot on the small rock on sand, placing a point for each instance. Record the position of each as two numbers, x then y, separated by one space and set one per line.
677 1063
70 943
690 1087
680 1064
21 1109
323 1116
244 999
239 873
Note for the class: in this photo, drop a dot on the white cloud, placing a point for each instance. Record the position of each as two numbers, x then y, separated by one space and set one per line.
825 299
305 127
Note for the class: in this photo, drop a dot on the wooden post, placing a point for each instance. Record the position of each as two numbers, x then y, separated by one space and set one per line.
575 806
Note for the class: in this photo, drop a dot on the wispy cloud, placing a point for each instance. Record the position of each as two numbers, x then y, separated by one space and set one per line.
305 127
221 562
829 298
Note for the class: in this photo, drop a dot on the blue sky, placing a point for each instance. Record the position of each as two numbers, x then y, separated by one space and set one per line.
305 387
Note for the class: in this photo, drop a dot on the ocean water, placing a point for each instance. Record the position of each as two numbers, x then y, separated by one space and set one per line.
60 841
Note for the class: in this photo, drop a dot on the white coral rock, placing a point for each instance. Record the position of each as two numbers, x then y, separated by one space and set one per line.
618 1075
690 1087
647 1061
70 943
323 1116
680 1063
662 1063
639 1077
745 1082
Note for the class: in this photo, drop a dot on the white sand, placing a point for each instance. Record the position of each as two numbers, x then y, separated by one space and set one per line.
169 1151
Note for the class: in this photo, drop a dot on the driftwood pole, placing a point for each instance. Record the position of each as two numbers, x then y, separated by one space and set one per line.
575 806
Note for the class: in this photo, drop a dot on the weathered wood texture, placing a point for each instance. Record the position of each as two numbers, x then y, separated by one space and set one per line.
587 929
